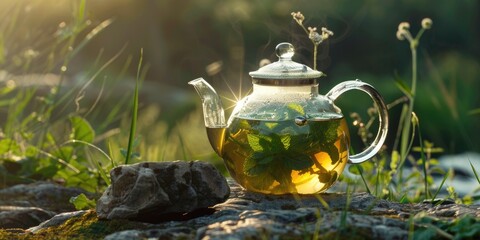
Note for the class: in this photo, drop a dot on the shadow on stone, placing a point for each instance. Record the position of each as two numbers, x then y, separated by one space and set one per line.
160 218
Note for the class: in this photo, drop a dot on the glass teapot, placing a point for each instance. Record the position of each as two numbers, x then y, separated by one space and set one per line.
284 137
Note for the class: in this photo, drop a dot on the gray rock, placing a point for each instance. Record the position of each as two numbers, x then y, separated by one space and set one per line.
22 217
158 191
126 235
56 220
45 195
171 233
28 205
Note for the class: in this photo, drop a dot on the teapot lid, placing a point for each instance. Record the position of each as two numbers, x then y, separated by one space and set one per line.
285 71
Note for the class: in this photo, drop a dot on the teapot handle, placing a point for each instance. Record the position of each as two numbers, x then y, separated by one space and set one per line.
375 146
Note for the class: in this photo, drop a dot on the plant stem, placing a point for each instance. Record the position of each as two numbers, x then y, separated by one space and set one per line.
133 123
408 117
363 179
424 163
315 48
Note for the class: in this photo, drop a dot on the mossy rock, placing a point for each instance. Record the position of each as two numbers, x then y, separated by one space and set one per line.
87 226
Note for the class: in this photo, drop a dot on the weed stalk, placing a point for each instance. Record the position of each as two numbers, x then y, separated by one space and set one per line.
133 123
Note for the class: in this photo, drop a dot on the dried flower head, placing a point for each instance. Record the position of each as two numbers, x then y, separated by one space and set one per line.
427 23
326 33
315 36
404 26
401 34
298 16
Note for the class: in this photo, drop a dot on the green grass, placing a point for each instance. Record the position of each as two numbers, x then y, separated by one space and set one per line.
61 134
35 124
133 123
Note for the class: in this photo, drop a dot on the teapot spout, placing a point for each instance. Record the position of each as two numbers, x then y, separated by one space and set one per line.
213 112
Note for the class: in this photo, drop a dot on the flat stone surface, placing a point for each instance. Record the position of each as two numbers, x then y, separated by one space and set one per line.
22 217
28 205
56 220
247 215
45 195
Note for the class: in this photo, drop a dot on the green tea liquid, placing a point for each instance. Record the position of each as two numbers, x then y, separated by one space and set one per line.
279 157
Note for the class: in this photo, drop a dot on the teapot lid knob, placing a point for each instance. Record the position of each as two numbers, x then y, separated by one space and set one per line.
285 71
285 51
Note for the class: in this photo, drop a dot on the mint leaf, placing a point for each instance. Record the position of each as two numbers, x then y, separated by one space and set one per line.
331 131
257 163
81 130
276 145
282 174
300 143
251 168
297 161
333 177
254 142
271 125
82 202
296 109
263 159
328 178
332 151
324 177
285 141
325 131
262 182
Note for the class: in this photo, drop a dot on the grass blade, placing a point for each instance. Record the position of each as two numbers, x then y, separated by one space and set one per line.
182 144
474 172
440 187
363 178
133 123
474 111
422 153
111 155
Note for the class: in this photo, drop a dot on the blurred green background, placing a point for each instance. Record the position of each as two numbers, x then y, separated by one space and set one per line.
181 38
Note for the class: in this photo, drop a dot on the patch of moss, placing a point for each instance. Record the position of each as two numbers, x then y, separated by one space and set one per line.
87 226
19 234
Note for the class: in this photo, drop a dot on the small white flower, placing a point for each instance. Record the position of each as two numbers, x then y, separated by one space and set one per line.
401 34
427 23
404 26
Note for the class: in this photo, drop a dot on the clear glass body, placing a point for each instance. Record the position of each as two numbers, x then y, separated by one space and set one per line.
284 139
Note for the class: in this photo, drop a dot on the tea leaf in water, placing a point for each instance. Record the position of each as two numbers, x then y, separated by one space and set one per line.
285 141
328 177
296 109
281 156
325 132
257 164
263 181
324 177
266 149
271 125
297 161
332 151
277 155
254 142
